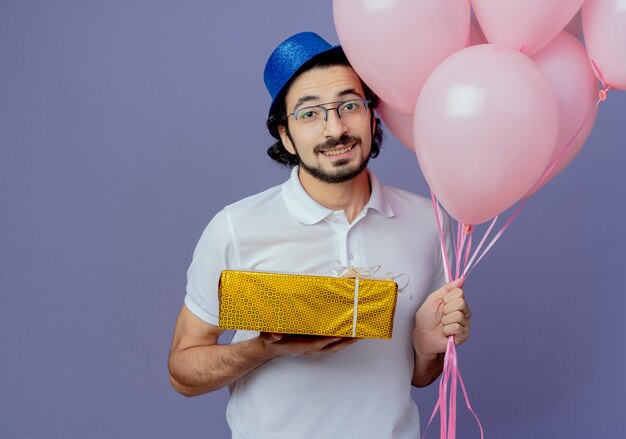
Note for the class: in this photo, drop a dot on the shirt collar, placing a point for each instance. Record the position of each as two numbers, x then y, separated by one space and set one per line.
308 211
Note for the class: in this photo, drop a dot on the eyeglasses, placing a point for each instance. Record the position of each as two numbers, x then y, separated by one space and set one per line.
313 119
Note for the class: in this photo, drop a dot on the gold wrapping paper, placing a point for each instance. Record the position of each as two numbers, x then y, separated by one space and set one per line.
306 304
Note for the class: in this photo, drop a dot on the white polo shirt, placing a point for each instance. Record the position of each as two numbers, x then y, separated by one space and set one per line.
362 391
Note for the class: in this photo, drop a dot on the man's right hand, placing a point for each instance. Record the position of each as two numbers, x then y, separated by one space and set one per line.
198 364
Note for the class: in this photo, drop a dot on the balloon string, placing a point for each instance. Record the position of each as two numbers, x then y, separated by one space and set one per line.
453 389
469 247
605 88
469 406
496 237
442 240
455 236
451 376
443 394
600 76
442 405
458 254
480 245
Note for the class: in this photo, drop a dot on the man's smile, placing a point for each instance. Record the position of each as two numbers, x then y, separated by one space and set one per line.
338 151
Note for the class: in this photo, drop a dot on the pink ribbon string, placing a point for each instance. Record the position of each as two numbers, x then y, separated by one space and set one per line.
600 76
451 375
506 225
442 240
480 245
457 255
453 388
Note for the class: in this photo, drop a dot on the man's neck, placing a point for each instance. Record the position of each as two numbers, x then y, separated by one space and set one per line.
350 196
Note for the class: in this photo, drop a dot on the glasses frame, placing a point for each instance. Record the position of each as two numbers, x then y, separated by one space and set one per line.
326 110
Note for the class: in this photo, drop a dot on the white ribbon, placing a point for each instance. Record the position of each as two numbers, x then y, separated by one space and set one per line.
355 307
356 273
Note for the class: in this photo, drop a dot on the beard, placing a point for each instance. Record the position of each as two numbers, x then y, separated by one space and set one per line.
342 173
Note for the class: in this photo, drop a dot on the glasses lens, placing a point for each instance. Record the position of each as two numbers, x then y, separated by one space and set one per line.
310 119
353 113
310 114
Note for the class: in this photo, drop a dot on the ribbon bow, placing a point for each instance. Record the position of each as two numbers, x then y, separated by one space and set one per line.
350 271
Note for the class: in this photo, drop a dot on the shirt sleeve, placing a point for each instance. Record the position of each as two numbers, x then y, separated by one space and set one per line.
216 251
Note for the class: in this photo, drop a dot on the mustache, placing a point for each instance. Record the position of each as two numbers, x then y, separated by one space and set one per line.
332 142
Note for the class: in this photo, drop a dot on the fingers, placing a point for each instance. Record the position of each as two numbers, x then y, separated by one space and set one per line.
453 285
339 345
456 316
453 294
453 301
294 344
458 283
327 345
447 288
458 304
311 342
460 332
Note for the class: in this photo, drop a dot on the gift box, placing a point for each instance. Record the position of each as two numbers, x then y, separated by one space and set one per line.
307 304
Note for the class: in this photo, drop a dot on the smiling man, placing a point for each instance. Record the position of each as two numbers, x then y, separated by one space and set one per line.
331 209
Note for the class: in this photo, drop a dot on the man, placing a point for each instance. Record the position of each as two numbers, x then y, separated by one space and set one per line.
331 209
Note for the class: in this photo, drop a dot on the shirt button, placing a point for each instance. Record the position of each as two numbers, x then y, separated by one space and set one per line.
351 256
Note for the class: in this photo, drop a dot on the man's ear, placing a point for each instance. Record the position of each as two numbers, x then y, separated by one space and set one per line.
284 137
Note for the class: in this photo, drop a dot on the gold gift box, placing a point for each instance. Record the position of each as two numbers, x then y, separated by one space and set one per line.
307 304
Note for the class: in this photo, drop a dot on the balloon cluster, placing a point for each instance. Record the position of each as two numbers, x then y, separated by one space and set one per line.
494 103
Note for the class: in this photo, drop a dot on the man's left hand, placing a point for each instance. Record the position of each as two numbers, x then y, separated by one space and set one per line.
443 313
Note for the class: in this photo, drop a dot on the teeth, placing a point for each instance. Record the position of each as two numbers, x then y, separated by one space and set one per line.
338 151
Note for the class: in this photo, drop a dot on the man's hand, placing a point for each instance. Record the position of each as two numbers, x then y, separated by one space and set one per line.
443 313
198 364
291 344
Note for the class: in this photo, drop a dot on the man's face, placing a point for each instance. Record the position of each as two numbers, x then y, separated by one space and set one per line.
336 152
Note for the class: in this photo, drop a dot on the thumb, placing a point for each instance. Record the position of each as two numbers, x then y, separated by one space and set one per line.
457 283
275 337
446 288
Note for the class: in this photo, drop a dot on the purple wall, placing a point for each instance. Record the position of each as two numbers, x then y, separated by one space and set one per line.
124 126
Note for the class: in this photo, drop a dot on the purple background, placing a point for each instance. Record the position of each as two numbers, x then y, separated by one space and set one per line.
125 125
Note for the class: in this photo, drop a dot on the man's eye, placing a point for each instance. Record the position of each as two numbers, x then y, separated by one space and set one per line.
308 114
350 106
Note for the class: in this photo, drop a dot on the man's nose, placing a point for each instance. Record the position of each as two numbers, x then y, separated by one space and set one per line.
335 126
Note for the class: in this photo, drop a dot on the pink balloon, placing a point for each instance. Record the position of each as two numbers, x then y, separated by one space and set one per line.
524 23
395 44
400 124
485 127
604 26
564 63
